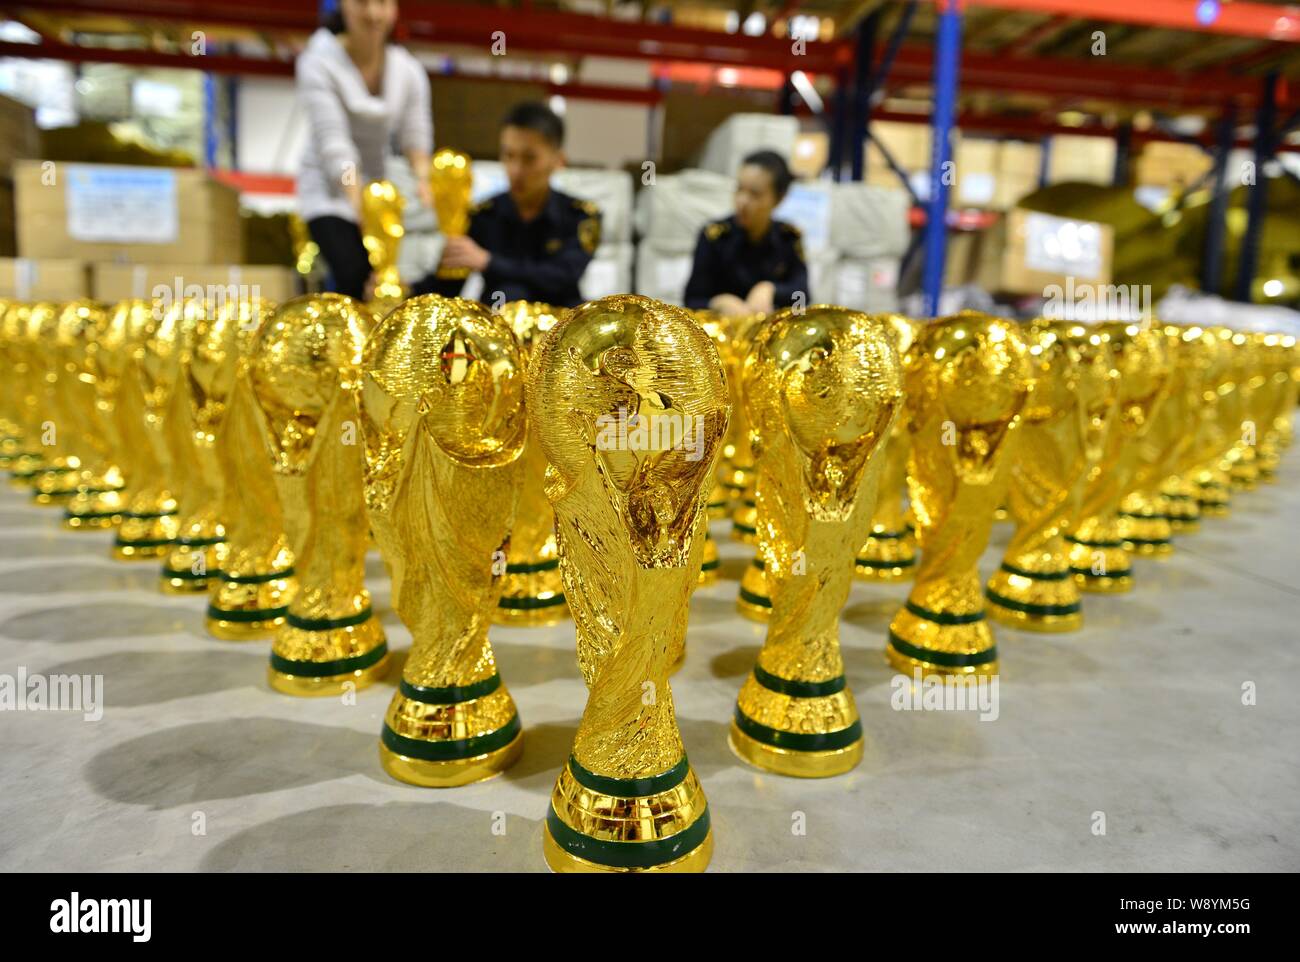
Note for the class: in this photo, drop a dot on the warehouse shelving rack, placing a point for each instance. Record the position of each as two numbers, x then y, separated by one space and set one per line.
1232 61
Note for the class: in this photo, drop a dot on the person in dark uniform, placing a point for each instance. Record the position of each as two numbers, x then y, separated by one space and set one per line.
530 242
749 263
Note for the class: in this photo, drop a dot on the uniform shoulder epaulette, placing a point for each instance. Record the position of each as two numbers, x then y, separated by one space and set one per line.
791 229
716 229
587 207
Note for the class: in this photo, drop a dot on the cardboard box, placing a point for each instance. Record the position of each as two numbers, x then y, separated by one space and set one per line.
118 282
1080 158
135 215
909 145
1026 252
1171 165
1019 166
55 279
976 173
19 136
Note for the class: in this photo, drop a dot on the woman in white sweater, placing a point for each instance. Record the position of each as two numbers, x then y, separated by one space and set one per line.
363 96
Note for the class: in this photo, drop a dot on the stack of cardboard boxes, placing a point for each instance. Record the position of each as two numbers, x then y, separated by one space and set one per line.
112 231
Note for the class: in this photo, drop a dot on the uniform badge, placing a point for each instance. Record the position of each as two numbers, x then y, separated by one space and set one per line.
553 245
589 234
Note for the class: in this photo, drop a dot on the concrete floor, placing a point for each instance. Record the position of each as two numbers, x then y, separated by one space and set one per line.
197 765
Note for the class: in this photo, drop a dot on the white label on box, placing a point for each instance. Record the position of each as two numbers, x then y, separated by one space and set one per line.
1058 245
121 205
977 189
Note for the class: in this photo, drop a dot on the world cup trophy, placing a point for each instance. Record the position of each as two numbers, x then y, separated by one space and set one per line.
1239 461
25 453
86 338
1098 558
382 233
451 181
631 405
249 597
442 401
1212 485
823 387
109 369
968 380
304 367
1145 514
63 470
532 592
889 553
12 437
1061 437
198 408
151 524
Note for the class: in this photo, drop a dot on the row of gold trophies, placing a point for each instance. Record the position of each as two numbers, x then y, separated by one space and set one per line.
529 464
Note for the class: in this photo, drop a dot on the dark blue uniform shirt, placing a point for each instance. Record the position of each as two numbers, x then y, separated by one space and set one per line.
537 260
727 262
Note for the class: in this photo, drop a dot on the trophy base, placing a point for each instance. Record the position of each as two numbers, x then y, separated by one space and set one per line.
1025 618
453 772
52 499
1034 600
562 862
744 523
178 574
710 563
882 572
91 521
357 644
598 823
442 737
795 764
1149 549
146 535
887 556
184 582
249 604
942 642
532 612
95 510
308 686
141 550
228 629
532 593
719 502
1114 584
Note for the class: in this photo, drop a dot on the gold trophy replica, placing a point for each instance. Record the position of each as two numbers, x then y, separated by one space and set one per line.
968 380
1097 555
1073 399
631 405
442 402
382 233
451 182
532 592
889 553
823 387
250 596
304 366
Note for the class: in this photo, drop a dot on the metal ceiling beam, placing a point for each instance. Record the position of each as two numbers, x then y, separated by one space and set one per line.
1238 18
544 31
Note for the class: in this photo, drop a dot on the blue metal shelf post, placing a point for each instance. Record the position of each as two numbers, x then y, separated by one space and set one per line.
947 62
